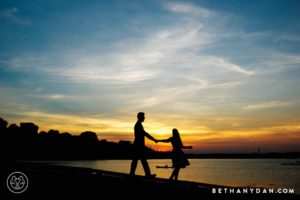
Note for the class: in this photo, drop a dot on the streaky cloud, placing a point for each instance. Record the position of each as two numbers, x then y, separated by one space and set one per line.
11 15
267 105
189 8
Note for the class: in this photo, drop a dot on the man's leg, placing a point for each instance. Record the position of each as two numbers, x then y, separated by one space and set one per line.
133 166
146 166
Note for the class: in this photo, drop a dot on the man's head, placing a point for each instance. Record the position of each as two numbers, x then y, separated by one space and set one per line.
141 116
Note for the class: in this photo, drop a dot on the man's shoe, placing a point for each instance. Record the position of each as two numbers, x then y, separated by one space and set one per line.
151 176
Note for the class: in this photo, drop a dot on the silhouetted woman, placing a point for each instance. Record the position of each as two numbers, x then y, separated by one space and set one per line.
178 158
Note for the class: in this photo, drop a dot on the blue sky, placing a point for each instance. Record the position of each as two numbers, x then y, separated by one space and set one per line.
219 71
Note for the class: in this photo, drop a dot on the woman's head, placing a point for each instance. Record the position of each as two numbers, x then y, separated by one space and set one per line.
176 138
175 132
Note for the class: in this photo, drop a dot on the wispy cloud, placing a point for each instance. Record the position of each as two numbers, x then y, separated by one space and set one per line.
188 8
78 123
167 52
54 96
11 14
267 105
170 60
288 37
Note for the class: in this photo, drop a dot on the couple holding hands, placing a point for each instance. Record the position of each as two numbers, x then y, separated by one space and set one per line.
178 158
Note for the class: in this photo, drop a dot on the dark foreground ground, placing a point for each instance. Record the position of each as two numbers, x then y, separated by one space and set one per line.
59 182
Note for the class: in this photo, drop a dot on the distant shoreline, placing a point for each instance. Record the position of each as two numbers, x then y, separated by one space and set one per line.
30 144
166 155
273 155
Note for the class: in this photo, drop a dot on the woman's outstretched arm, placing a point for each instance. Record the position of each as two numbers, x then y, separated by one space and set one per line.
165 140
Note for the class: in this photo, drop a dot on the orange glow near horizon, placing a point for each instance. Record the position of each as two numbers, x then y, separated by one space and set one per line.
203 139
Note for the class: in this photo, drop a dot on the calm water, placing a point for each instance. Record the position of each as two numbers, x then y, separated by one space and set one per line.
230 172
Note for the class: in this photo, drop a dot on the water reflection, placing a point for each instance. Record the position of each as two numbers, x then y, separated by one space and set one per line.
231 172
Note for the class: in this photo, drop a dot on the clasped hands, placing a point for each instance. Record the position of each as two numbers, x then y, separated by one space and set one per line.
156 141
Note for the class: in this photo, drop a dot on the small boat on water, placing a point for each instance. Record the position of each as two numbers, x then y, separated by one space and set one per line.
291 163
164 166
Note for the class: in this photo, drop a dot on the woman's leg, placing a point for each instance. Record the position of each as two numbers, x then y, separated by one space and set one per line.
173 174
176 172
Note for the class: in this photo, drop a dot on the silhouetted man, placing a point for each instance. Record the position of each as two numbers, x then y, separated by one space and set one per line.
139 146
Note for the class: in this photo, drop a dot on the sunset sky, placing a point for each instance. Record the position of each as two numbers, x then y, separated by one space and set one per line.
224 73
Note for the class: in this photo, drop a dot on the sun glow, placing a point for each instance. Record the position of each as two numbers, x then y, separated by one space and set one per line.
202 137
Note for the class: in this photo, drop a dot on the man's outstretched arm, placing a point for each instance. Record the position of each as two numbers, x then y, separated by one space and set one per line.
149 136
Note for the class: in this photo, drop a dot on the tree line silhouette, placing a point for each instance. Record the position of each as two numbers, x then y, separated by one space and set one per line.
26 142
